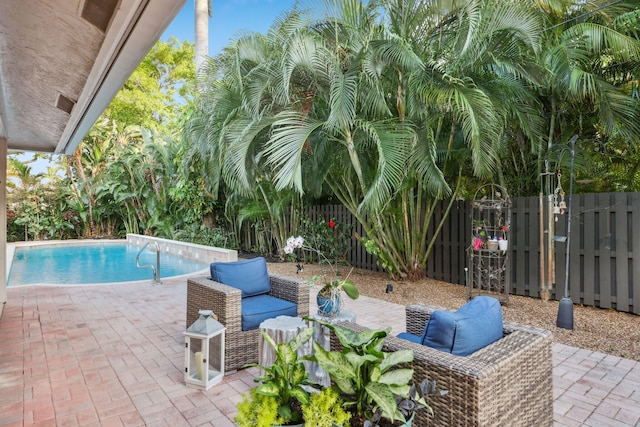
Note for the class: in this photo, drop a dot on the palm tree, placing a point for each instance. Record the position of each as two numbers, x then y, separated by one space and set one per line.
362 100
203 9
585 43
582 43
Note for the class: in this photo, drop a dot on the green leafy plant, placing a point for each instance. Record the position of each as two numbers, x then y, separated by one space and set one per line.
282 381
258 410
414 401
330 237
382 258
325 410
370 380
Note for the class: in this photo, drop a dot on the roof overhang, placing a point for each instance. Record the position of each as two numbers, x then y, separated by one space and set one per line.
63 61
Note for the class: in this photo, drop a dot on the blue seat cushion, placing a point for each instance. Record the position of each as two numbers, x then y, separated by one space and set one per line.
475 325
262 307
249 276
410 337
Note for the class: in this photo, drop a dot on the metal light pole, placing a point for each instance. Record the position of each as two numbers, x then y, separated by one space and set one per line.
565 309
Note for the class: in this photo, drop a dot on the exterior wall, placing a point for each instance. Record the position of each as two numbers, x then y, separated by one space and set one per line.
3 224
187 250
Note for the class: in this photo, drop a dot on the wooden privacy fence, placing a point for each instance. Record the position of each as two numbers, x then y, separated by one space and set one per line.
605 230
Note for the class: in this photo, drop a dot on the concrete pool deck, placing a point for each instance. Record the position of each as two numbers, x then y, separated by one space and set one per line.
113 355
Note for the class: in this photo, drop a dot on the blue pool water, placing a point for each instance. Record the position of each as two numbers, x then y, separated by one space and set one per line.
97 263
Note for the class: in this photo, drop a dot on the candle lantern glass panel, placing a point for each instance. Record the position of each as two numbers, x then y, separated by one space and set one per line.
204 352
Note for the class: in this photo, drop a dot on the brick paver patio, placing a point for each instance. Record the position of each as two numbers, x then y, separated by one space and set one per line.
112 355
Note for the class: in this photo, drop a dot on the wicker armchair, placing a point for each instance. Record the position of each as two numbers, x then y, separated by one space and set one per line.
507 383
241 347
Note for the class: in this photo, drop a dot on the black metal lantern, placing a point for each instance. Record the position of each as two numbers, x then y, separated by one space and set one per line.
204 352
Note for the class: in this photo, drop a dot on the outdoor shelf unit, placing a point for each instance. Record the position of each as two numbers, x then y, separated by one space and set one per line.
489 265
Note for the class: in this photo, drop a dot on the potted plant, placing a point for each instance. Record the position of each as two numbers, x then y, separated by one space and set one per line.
503 242
329 297
370 381
279 398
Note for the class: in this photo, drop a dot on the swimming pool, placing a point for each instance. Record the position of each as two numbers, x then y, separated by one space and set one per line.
94 263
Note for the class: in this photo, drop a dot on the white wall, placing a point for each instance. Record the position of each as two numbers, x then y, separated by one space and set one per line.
3 223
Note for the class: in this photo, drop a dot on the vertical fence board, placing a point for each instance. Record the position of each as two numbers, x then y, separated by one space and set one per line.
463 226
519 211
532 254
588 249
604 260
438 254
433 258
619 244
634 237
575 255
447 238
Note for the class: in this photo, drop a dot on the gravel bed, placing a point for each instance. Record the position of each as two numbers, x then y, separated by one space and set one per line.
595 329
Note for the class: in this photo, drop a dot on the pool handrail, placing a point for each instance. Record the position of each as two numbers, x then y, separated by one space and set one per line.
156 269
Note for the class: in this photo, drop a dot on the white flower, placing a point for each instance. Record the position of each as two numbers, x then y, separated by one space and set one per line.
291 241
288 249
298 242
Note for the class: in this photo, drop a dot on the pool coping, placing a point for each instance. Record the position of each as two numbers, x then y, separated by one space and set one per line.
196 252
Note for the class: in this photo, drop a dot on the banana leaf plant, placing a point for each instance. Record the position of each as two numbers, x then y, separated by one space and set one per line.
285 379
369 379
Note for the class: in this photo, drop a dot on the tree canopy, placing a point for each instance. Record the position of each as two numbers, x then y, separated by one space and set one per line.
388 107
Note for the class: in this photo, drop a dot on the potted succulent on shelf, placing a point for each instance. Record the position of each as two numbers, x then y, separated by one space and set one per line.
374 388
329 296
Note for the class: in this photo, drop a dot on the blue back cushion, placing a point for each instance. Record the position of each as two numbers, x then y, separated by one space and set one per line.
263 307
475 325
249 276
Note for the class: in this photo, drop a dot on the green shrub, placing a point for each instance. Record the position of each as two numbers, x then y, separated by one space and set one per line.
325 409
258 410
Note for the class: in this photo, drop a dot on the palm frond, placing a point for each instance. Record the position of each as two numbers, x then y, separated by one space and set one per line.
393 141
343 99
596 39
239 156
285 146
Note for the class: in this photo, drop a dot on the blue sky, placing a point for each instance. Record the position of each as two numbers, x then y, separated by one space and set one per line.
230 18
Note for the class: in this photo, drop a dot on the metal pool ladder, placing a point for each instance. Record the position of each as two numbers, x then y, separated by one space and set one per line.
156 269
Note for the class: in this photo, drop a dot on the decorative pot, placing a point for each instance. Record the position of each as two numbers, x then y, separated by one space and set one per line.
503 245
492 245
327 306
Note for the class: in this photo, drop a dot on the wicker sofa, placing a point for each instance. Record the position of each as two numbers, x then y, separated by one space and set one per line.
507 383
241 347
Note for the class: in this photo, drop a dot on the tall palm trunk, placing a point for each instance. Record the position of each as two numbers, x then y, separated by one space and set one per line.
202 13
